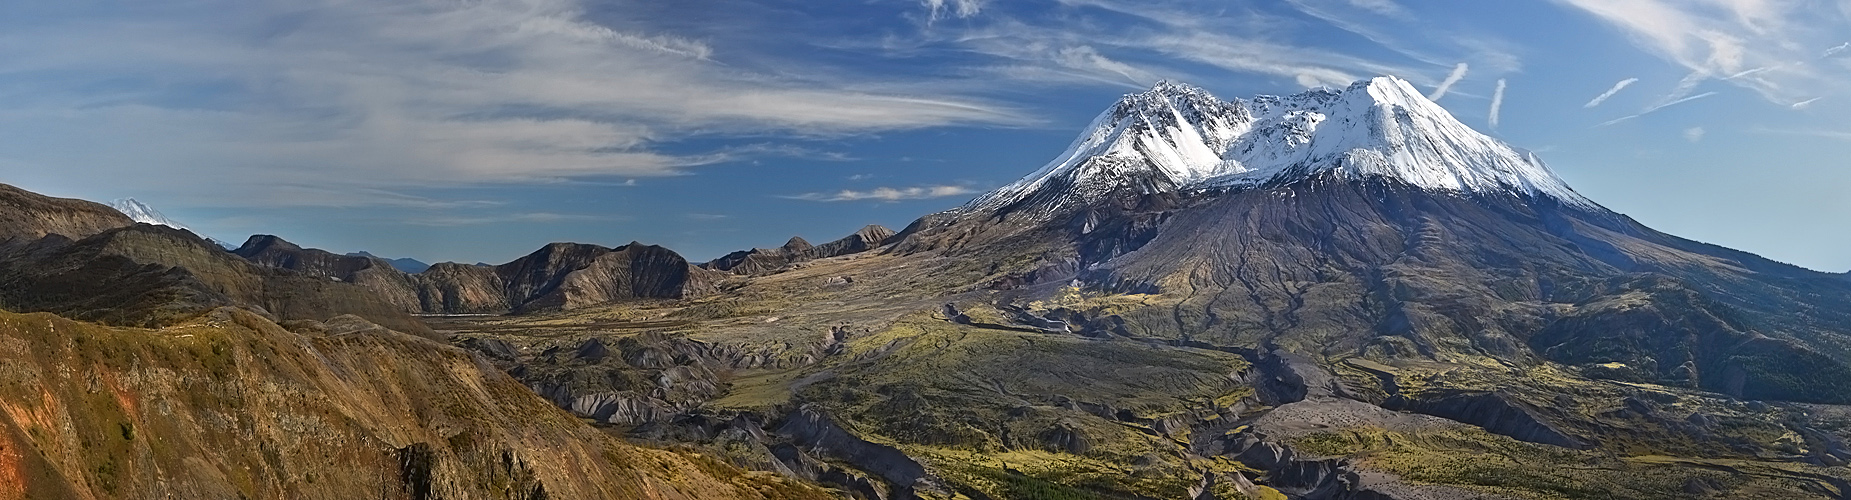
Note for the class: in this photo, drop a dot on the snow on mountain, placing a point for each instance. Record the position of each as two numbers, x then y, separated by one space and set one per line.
141 212
1178 137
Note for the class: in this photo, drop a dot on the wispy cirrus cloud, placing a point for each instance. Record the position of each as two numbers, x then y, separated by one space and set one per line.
1655 109
940 9
888 194
1841 135
1133 44
1497 103
526 217
345 96
1447 84
1617 87
1768 46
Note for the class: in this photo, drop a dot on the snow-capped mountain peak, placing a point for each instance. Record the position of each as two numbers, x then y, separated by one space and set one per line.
141 212
1178 137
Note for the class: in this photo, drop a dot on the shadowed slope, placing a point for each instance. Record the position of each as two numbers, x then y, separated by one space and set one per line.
146 275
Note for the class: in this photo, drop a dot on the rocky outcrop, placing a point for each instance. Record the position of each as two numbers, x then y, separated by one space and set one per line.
867 238
453 288
26 216
631 380
633 271
768 260
815 431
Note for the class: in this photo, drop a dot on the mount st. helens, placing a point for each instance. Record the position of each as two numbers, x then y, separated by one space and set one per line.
1178 138
1369 221
1344 293
1346 290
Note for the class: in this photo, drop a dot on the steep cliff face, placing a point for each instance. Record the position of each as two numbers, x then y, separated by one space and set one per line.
233 406
633 271
26 216
461 289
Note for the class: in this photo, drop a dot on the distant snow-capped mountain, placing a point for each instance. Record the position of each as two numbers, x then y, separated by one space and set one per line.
141 212
1177 137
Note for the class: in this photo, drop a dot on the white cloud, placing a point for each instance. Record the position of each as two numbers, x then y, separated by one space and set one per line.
1383 7
1654 109
1119 41
1694 134
1617 87
940 9
1395 28
343 96
1497 103
1826 134
1085 57
1806 103
888 194
529 217
1447 84
1763 45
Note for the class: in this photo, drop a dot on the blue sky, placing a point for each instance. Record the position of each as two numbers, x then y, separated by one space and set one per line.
478 130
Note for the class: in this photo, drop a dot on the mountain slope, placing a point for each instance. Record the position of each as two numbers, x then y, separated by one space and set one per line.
26 216
151 276
233 406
